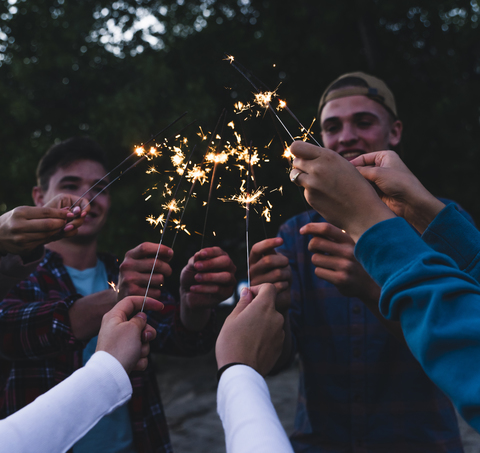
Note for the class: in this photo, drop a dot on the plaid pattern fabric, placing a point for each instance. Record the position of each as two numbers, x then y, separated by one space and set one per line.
361 390
38 350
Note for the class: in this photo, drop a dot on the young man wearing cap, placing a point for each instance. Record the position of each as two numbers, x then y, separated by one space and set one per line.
49 322
361 390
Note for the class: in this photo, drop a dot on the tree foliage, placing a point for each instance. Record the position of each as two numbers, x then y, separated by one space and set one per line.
120 71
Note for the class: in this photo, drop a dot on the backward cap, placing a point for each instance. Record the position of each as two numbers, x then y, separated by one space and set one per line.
376 90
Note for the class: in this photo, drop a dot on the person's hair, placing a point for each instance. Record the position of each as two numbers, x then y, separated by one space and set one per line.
64 153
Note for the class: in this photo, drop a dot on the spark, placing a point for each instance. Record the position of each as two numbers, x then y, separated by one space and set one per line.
229 58
217 158
267 213
287 153
155 221
196 174
113 286
263 99
281 104
148 198
245 198
171 206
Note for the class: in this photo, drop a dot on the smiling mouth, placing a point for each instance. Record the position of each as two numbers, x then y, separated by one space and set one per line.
351 154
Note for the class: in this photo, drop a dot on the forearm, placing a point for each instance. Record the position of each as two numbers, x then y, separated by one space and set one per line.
87 312
453 234
57 419
437 305
247 413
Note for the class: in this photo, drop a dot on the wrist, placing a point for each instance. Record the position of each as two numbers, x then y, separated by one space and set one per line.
423 211
361 223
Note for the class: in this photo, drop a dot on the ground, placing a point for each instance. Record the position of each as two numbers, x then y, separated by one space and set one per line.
188 388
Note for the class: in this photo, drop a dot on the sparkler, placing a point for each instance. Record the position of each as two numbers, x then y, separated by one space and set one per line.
172 207
135 153
264 99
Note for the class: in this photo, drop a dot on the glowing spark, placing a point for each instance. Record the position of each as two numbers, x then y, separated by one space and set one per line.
218 158
281 104
245 198
241 107
202 135
113 286
172 206
231 124
139 151
155 221
151 170
148 198
267 214
263 99
287 153
229 58
196 174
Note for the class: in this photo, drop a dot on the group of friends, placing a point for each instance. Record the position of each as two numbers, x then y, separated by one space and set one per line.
374 290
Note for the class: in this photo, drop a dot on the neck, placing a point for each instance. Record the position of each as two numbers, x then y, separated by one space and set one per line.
77 254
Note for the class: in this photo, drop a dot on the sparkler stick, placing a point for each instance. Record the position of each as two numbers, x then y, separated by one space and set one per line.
247 214
195 179
282 103
212 180
129 168
128 157
171 208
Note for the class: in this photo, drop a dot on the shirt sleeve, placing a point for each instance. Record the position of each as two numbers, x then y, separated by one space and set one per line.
13 270
34 320
247 413
437 304
453 234
63 415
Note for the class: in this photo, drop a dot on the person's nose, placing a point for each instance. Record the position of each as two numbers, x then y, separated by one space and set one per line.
348 135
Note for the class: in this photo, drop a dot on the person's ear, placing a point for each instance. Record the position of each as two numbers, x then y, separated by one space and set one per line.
395 133
37 195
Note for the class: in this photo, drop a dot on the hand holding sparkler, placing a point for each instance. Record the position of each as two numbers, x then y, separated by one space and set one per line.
207 280
335 189
399 189
253 333
268 266
127 336
136 269
26 227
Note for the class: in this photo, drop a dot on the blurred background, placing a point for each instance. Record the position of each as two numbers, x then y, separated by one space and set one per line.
121 71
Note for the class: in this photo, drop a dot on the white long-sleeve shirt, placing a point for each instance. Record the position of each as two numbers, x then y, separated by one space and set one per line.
249 419
63 415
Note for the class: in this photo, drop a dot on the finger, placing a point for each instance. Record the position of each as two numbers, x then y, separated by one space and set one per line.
149 333
145 350
266 247
141 364
326 230
372 174
266 296
305 150
246 297
132 304
326 262
364 160
221 278
214 290
149 250
215 263
208 253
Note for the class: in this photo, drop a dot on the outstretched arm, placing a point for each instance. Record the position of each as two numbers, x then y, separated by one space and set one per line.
252 335
58 418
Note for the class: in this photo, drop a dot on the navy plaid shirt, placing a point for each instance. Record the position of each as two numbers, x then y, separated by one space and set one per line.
361 390
38 350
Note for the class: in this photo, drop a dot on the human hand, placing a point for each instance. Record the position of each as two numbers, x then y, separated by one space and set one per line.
206 280
398 187
75 216
253 333
336 190
268 266
335 262
137 266
125 337
26 227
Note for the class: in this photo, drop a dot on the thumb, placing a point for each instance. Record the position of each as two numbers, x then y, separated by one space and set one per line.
369 173
139 320
246 297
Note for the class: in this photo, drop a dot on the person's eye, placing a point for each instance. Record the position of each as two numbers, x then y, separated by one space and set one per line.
364 124
69 187
331 128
